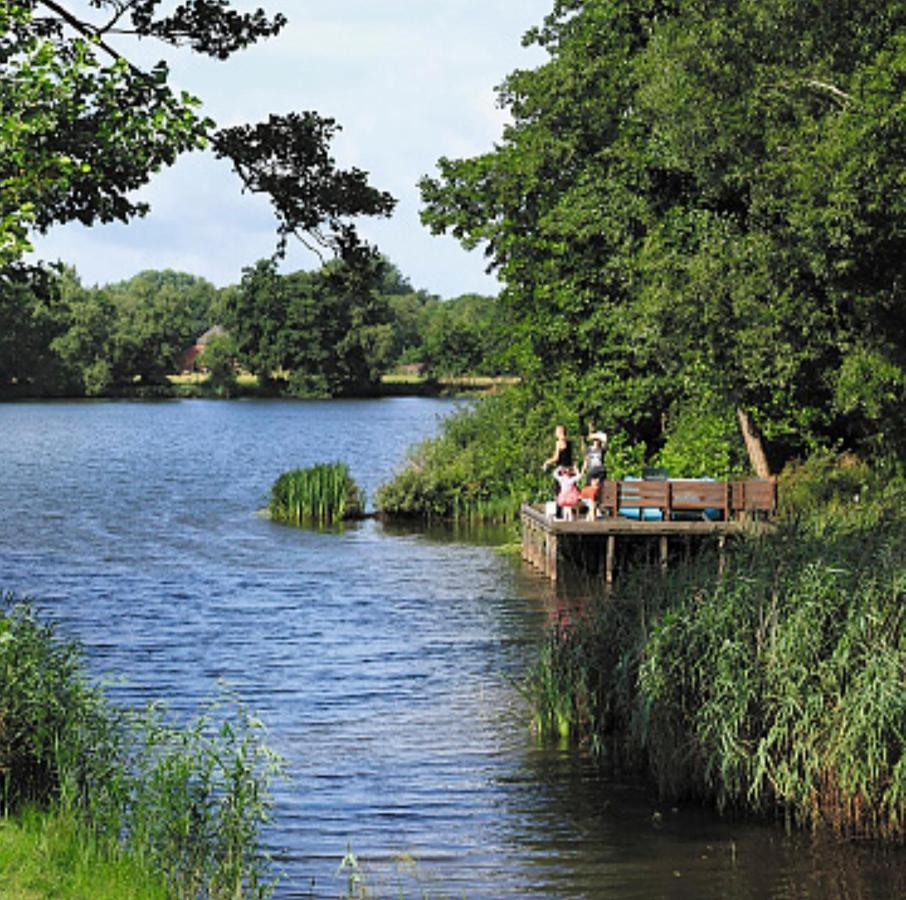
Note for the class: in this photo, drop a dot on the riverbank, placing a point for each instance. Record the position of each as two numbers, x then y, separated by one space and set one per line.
95 793
774 689
199 386
45 854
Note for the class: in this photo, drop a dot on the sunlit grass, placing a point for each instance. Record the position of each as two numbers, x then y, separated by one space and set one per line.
51 855
185 801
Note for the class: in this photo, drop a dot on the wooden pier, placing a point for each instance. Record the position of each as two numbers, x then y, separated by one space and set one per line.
657 509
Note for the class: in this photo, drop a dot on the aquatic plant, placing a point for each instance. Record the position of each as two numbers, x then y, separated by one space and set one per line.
774 688
187 801
321 494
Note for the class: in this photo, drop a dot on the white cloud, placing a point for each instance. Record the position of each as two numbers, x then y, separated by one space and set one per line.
408 80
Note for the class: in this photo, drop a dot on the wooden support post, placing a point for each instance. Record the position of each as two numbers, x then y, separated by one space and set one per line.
609 560
721 543
552 557
663 552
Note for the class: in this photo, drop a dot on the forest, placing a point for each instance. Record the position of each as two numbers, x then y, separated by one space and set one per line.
328 333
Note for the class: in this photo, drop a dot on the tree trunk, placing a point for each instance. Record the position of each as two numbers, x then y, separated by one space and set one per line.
754 446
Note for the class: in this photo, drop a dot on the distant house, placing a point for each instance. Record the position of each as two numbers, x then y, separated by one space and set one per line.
416 368
188 361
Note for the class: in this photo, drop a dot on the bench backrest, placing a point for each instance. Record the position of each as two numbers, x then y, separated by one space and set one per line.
730 498
754 495
699 495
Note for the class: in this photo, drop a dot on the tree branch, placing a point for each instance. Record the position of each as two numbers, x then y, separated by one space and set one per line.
89 31
842 96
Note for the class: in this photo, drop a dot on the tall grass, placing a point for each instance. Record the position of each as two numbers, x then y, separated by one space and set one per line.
187 802
776 688
322 494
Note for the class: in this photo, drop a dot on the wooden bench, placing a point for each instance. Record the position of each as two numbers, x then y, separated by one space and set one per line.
689 498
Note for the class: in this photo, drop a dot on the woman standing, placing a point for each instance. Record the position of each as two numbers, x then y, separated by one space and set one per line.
563 449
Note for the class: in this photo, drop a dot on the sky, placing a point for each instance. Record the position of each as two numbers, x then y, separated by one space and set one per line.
409 81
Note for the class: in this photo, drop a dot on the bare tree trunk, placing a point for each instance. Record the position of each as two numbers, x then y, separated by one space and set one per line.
754 446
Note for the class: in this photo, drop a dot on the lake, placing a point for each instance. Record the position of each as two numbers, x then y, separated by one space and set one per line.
385 661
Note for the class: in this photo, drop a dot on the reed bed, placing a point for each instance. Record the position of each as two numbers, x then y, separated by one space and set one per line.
774 689
321 495
185 803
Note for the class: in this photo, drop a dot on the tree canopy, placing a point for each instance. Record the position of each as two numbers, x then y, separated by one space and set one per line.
700 205
81 127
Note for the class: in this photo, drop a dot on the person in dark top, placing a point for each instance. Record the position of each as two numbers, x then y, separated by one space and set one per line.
593 467
563 450
561 458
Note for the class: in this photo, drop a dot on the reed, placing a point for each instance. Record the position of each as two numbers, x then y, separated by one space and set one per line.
322 494
184 801
774 689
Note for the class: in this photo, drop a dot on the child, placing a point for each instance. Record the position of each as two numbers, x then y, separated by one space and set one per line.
590 495
568 496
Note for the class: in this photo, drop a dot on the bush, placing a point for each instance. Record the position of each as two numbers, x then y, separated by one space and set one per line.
186 801
322 494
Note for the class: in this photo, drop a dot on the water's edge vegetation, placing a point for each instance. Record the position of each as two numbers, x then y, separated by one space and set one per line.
772 689
321 494
122 802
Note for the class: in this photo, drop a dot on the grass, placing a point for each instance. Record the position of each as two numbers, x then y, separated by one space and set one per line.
322 494
186 802
774 689
51 855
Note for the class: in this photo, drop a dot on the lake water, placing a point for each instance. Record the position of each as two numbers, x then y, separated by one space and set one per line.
385 662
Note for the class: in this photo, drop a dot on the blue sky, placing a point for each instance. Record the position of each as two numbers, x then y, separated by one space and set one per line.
409 81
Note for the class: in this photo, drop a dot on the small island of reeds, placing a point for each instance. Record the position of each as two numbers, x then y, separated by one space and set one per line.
319 495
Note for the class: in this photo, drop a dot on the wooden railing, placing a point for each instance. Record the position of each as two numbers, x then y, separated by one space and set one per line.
679 498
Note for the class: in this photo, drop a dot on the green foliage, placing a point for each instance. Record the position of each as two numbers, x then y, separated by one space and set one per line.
83 128
219 359
327 329
186 802
826 482
487 460
701 200
321 494
702 442
67 339
463 336
774 688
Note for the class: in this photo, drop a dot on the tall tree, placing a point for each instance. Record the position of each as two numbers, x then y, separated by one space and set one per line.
699 201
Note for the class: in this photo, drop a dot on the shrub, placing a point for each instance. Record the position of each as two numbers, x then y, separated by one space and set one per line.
773 688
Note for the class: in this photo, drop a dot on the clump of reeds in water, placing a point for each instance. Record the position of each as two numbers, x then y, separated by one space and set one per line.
320 495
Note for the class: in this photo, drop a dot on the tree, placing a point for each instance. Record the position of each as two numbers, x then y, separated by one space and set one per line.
462 336
325 333
698 203
82 127
219 359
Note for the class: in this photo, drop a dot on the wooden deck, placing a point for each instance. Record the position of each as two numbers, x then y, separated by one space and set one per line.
679 509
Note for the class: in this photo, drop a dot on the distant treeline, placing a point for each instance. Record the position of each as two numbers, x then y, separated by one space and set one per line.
330 332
